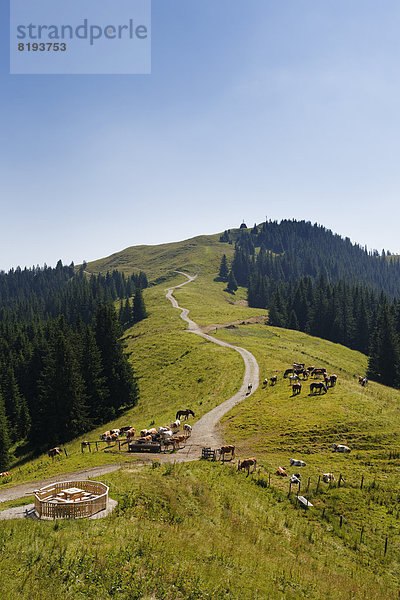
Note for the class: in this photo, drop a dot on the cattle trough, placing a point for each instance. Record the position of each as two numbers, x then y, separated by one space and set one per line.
71 500
138 447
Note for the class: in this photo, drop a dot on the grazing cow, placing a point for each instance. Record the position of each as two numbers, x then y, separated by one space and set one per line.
249 388
364 381
274 379
152 431
184 413
295 479
130 434
333 380
296 388
54 452
116 431
5 474
85 444
187 429
328 477
319 386
340 448
297 463
105 435
293 378
163 429
125 428
246 464
265 382
281 471
166 434
226 450
143 432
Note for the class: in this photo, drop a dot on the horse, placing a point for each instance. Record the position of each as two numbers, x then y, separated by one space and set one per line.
226 450
296 388
318 385
320 371
246 464
184 413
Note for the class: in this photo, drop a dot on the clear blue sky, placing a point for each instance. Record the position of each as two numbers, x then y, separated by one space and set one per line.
287 109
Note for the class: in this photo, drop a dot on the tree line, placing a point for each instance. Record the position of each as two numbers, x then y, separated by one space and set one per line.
63 369
337 291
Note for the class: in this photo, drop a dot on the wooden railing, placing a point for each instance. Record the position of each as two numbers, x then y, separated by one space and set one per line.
48 509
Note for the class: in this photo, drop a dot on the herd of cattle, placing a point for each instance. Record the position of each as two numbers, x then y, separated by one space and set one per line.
167 435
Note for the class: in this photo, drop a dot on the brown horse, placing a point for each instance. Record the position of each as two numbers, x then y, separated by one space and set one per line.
184 413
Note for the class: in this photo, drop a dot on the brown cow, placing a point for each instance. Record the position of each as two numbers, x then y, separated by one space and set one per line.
54 452
226 450
246 464
130 434
281 471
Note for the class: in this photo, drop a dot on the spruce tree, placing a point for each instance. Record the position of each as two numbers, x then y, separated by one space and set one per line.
139 309
384 361
232 284
223 269
116 370
4 439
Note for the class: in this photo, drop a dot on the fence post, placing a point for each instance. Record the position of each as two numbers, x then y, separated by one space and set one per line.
341 520
90 447
323 513
340 479
269 479
97 449
319 479
362 482
290 488
119 446
65 452
386 544
308 484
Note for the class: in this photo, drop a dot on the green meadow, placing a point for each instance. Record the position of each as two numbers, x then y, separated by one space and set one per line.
205 530
192 531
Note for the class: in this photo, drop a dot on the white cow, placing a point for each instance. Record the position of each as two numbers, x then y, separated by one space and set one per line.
294 462
340 448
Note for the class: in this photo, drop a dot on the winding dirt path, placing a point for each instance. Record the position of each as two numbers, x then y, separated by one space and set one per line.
206 431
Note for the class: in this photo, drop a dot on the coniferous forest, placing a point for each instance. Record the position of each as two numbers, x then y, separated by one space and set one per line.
62 366
315 281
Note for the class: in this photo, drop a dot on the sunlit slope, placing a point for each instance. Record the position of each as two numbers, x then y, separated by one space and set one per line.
202 253
190 532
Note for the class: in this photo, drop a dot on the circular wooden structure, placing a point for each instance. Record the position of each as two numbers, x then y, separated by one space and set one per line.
71 499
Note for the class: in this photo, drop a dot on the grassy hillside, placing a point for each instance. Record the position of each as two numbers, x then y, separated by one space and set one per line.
191 532
200 531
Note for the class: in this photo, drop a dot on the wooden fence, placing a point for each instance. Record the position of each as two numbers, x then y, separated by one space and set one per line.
47 508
